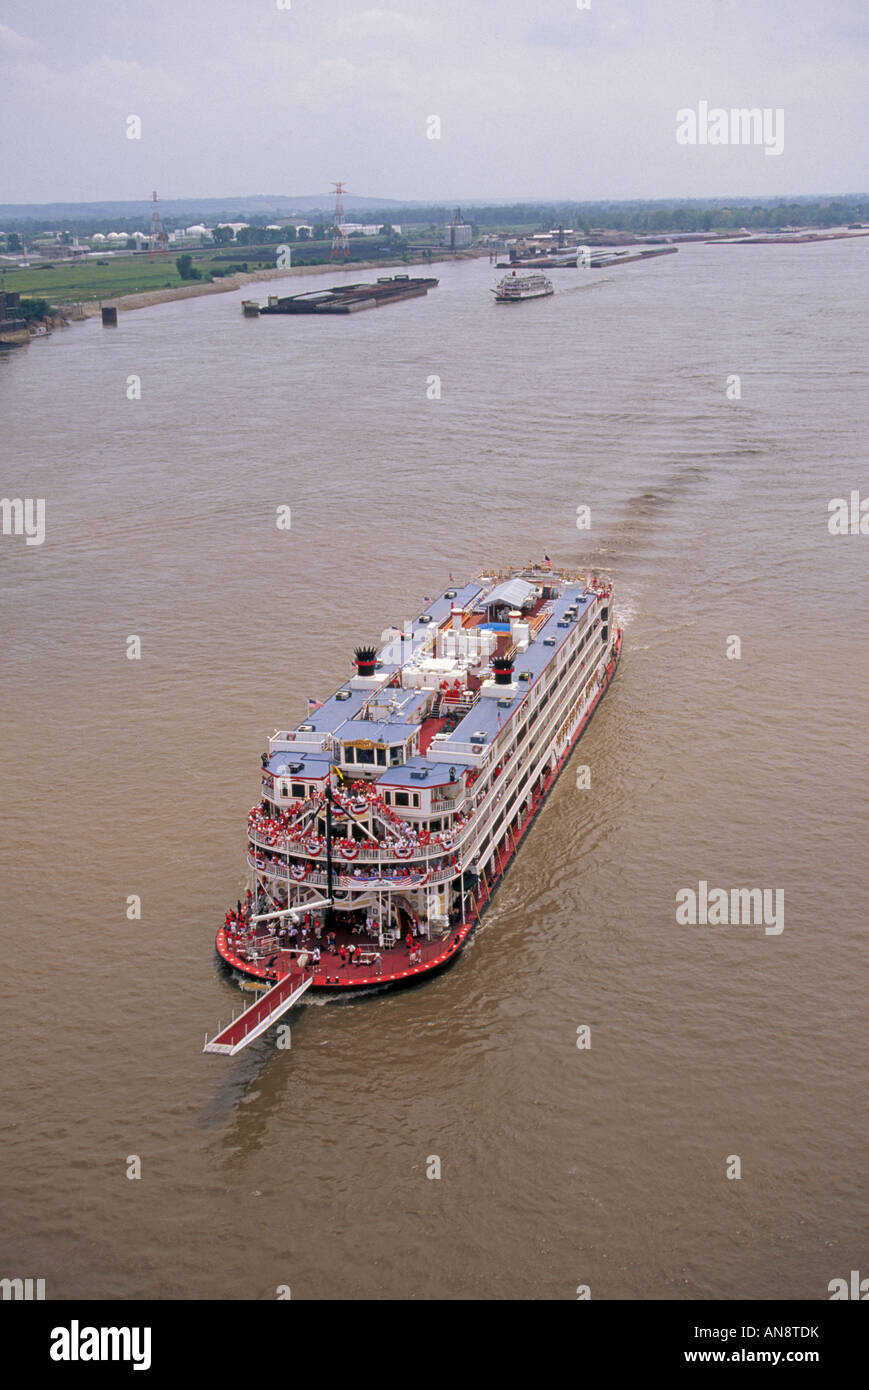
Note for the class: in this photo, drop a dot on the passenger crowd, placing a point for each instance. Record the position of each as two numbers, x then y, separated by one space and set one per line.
309 936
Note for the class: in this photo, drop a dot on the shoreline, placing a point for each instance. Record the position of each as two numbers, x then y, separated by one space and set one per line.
144 299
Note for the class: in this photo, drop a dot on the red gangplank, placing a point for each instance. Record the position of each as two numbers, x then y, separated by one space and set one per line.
261 1014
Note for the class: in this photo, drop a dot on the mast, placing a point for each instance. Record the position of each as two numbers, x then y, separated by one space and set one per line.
329 894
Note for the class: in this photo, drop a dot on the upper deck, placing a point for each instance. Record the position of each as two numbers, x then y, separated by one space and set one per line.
432 706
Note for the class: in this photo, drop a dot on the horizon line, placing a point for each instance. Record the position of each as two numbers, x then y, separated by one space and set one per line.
452 200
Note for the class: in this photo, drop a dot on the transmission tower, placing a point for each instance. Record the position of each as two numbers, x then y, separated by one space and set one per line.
340 245
158 240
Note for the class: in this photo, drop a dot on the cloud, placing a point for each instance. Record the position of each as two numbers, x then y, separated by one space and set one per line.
109 79
386 22
235 97
12 44
585 30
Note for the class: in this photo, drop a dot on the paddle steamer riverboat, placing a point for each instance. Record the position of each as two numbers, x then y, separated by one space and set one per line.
514 287
388 817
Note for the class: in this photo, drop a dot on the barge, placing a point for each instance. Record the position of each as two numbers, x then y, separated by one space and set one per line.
602 260
597 260
346 299
388 817
792 239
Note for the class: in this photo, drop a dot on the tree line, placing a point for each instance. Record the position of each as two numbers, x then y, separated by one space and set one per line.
681 215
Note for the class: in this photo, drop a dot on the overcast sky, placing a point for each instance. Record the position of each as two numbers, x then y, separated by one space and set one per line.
536 98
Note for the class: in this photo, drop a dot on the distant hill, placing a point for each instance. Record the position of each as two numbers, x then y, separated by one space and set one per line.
207 209
638 215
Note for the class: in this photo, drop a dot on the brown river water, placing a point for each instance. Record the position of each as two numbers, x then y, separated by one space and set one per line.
560 1166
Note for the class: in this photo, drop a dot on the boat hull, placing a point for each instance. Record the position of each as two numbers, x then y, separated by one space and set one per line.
520 298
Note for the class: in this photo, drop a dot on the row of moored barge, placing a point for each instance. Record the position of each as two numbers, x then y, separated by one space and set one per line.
344 299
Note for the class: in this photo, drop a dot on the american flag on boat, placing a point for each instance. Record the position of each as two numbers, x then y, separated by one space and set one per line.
314 704
548 563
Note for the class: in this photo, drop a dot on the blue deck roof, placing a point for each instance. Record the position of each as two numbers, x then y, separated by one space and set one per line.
438 774
335 712
440 607
314 765
487 717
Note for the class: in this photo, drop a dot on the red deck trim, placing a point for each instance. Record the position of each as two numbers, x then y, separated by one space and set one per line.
429 728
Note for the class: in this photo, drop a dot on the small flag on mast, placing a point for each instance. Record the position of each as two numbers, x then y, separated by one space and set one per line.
314 704
548 562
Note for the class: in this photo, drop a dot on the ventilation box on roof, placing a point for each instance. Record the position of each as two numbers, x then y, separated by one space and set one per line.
419 774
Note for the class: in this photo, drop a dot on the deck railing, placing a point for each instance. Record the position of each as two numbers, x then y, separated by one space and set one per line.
484 801
392 878
365 855
291 740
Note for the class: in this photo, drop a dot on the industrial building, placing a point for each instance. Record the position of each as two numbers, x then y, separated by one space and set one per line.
458 233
